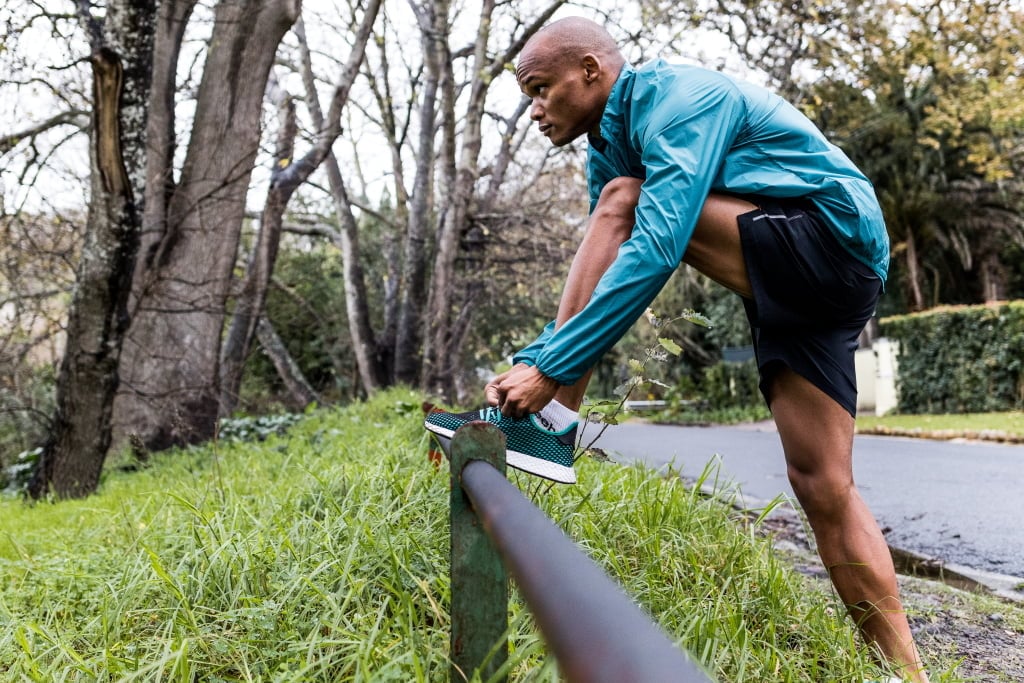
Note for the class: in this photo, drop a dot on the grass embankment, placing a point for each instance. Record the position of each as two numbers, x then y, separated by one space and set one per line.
321 555
1005 426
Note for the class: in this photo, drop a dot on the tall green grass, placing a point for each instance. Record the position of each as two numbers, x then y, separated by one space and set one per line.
322 555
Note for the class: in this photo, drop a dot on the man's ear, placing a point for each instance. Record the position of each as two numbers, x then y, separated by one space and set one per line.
591 67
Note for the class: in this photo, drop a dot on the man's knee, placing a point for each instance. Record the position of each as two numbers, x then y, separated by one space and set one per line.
822 494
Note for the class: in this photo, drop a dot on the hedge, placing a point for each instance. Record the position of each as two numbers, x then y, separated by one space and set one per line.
960 359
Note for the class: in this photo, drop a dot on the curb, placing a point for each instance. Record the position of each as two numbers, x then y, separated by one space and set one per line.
993 435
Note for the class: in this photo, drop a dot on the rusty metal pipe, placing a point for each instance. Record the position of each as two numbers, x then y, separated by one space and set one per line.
597 633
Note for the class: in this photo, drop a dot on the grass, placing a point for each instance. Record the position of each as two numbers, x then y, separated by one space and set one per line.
322 555
1010 424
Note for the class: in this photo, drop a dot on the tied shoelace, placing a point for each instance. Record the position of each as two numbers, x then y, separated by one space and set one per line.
491 414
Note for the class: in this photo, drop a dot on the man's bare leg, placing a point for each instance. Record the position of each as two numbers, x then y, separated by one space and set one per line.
817 437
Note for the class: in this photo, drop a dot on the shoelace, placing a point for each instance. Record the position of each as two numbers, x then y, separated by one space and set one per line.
491 414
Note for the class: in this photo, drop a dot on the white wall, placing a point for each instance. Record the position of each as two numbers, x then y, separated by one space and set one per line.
877 369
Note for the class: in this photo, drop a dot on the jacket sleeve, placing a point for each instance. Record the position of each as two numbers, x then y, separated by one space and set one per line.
682 132
528 354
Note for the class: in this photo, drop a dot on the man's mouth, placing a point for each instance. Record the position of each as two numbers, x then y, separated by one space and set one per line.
544 128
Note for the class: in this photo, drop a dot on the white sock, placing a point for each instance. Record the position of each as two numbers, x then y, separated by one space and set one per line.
557 417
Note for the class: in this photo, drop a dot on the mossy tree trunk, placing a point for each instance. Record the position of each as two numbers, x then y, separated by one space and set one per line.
121 60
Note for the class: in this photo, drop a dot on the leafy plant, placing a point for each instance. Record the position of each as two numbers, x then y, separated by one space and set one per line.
607 412
258 428
16 475
960 359
321 554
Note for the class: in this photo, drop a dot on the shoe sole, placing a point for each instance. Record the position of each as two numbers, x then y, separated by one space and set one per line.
521 461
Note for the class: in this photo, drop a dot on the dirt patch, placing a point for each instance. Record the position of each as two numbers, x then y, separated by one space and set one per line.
979 635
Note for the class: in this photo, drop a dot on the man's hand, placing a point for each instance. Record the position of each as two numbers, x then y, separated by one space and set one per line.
520 391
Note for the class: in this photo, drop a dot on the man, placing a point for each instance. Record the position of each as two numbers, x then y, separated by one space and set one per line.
689 165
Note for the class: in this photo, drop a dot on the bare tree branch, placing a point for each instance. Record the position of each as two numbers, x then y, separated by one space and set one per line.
77 118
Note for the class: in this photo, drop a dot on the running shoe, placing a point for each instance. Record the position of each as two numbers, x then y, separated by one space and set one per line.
529 446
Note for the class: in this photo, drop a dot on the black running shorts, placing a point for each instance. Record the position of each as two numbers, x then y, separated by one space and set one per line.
812 298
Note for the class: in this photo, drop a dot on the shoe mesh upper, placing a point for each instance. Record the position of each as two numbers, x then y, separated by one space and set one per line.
521 436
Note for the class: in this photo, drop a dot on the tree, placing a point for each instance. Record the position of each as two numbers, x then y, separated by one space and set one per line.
121 59
447 305
431 109
287 175
929 105
192 223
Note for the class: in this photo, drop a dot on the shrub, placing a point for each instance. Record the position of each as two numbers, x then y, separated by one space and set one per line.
960 359
26 404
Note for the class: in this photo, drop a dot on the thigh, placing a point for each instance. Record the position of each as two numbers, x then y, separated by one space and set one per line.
715 248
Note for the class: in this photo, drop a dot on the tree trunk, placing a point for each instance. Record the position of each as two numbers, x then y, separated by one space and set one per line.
300 392
285 178
916 297
253 294
72 459
450 304
171 21
357 308
441 299
171 359
434 30
993 278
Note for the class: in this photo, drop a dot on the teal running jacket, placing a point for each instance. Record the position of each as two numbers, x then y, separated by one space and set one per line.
688 132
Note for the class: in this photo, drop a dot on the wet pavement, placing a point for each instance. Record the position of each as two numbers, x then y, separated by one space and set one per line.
958 502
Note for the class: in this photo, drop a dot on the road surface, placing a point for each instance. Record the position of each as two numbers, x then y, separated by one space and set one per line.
958 502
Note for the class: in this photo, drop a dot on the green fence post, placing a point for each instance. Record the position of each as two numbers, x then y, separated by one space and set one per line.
479 582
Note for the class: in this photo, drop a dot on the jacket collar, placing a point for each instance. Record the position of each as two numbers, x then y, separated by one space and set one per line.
613 121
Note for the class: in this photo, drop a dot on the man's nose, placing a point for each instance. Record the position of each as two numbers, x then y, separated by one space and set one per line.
536 111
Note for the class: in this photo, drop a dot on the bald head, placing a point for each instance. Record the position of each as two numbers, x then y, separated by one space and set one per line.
569 39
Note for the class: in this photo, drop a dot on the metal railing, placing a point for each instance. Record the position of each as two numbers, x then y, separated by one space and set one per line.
593 628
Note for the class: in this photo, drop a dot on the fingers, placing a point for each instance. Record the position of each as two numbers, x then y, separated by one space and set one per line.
492 395
524 392
495 394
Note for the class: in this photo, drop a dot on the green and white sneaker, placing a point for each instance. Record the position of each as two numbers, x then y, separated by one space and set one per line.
530 447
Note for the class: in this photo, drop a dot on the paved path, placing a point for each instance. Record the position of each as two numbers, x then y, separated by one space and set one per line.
959 502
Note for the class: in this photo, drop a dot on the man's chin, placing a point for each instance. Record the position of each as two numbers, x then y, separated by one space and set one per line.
562 141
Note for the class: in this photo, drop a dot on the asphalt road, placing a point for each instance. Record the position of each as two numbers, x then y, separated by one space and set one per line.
958 502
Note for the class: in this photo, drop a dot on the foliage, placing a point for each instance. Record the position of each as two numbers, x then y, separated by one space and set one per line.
724 393
696 385
960 359
26 403
702 346
702 416
256 428
926 99
306 306
36 278
321 555
640 378
731 385
516 260
14 478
